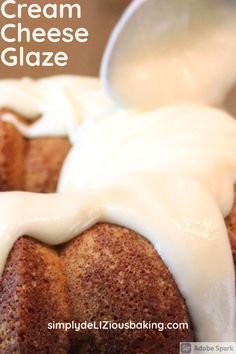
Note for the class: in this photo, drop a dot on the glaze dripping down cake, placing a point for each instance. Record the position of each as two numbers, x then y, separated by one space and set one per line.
106 273
42 284
117 195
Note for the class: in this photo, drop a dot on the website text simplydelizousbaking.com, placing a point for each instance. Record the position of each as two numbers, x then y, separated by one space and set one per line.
110 325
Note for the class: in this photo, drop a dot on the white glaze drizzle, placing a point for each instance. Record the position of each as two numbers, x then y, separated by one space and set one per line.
62 102
136 175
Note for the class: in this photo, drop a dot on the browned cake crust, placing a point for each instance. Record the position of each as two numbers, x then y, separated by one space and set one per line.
111 273
12 154
30 164
231 226
32 294
114 274
43 161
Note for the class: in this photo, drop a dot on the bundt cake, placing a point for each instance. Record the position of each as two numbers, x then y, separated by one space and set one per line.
108 273
136 251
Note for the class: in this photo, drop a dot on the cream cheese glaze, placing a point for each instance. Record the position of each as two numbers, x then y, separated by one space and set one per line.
62 102
156 157
136 174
